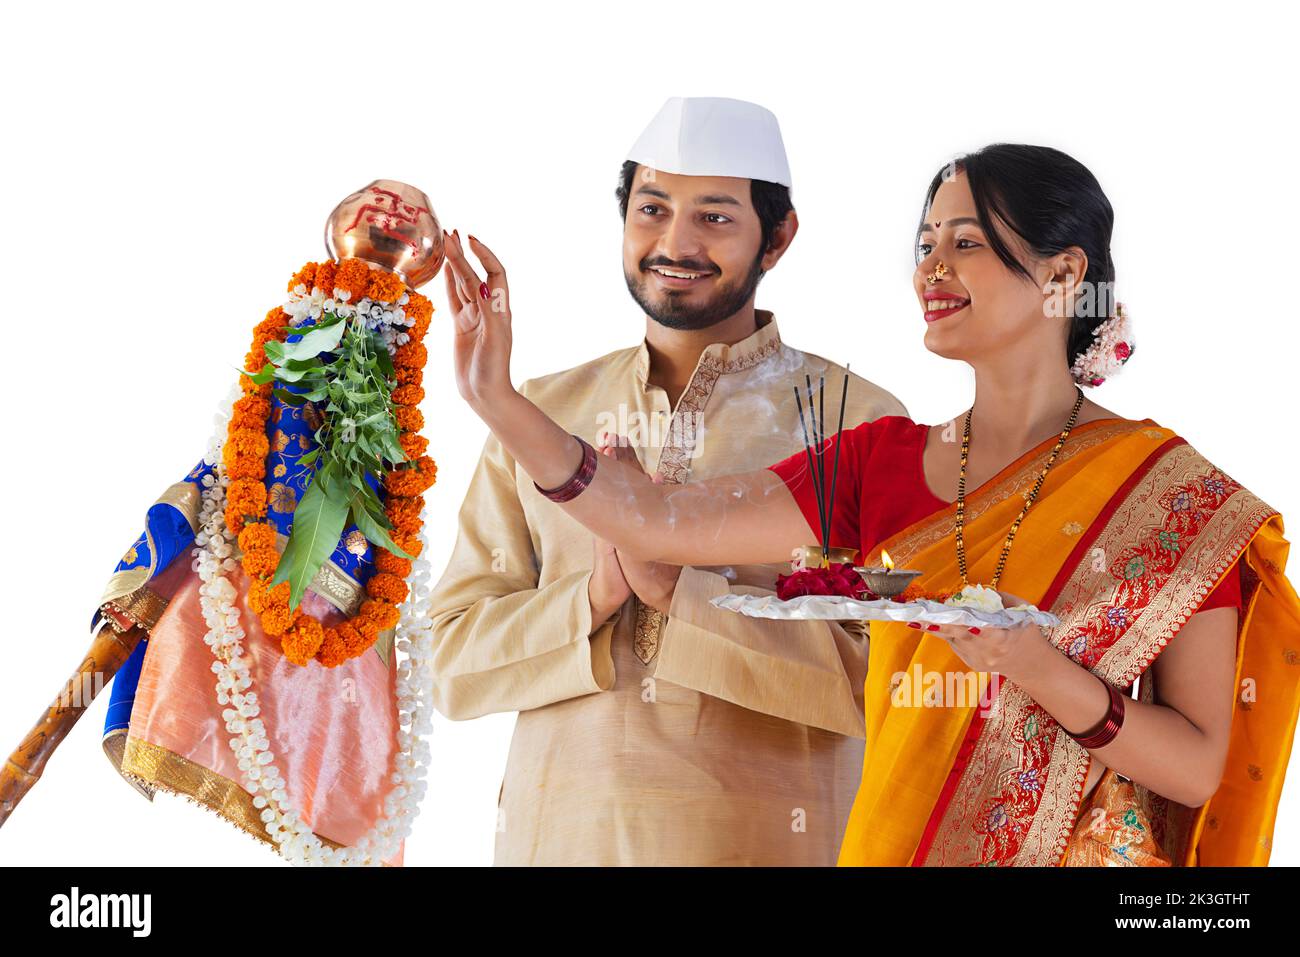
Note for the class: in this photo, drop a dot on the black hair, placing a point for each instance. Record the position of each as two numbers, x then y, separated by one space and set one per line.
1052 202
771 202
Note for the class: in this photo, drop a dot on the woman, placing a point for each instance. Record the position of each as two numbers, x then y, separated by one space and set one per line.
1117 526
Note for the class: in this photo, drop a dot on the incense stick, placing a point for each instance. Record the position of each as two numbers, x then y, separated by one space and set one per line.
820 468
821 458
812 414
839 440
814 446
812 468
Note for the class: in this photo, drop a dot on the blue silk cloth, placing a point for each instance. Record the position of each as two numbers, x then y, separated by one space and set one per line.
291 432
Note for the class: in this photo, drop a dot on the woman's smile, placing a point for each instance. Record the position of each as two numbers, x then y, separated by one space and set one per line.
940 305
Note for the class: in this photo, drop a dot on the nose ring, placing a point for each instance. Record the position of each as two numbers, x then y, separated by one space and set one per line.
940 272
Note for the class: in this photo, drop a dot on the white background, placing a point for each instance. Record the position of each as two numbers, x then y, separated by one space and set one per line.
165 170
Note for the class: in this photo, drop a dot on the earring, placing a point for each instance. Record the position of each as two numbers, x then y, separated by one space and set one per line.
940 272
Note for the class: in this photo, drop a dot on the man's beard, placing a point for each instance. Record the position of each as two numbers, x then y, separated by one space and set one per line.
673 313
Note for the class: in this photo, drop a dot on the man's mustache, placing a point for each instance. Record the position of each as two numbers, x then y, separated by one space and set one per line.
685 265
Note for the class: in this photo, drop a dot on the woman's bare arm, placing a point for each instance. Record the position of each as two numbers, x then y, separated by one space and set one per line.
746 518
1175 746
741 519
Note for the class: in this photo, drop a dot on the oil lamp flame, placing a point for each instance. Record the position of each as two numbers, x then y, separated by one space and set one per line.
888 581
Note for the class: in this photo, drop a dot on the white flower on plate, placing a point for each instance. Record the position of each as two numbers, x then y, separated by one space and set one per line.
979 597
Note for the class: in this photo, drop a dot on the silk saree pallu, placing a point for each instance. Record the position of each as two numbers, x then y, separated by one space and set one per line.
1131 531
335 728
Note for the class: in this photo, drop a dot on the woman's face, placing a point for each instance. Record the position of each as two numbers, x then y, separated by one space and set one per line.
978 307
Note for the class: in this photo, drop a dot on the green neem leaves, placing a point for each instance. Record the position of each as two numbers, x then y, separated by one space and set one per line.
318 521
344 367
324 336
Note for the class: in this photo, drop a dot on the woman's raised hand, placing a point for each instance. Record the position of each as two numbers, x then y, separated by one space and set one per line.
481 312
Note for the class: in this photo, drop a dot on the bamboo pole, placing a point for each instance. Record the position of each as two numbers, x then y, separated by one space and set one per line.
108 651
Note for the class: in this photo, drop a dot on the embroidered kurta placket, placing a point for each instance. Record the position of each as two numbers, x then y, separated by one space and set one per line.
675 457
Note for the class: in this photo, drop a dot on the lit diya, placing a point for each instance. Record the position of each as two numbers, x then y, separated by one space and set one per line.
888 581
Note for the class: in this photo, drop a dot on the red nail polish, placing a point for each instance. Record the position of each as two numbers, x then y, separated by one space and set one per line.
932 628
912 624
974 631
483 290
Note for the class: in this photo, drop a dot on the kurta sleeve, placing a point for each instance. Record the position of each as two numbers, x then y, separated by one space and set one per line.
810 672
501 642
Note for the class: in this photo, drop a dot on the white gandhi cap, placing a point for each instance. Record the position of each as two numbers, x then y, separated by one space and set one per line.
714 136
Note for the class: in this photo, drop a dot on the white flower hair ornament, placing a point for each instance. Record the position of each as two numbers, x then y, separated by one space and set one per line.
1112 344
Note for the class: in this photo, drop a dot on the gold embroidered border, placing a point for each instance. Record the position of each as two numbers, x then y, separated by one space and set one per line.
1013 719
185 498
383 645
143 606
648 623
765 340
330 582
675 457
338 588
125 581
114 745
1087 594
931 530
158 768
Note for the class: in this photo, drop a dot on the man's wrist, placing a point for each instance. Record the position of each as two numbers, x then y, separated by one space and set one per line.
601 610
651 585
664 599
599 614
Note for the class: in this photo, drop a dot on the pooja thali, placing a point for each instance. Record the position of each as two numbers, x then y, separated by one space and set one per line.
827 584
841 608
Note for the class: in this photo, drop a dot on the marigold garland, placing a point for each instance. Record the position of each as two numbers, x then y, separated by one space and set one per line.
303 637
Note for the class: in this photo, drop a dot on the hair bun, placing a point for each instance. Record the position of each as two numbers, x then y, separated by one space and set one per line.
1112 346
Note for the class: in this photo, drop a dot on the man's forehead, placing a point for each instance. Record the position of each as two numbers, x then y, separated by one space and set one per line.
705 190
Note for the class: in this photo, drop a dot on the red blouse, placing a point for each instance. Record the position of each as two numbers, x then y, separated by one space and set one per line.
886 456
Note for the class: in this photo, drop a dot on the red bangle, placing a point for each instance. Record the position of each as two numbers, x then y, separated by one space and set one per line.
580 480
1108 727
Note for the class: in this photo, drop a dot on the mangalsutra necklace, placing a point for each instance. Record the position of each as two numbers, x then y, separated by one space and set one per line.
1033 494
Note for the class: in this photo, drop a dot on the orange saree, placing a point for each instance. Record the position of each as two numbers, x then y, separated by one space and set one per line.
1131 531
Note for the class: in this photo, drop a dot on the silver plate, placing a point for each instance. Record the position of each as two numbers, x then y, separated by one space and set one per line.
839 608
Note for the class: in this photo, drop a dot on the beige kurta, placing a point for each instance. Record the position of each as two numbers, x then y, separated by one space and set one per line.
700 738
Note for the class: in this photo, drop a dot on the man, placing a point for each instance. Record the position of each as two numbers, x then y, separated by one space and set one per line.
654 728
